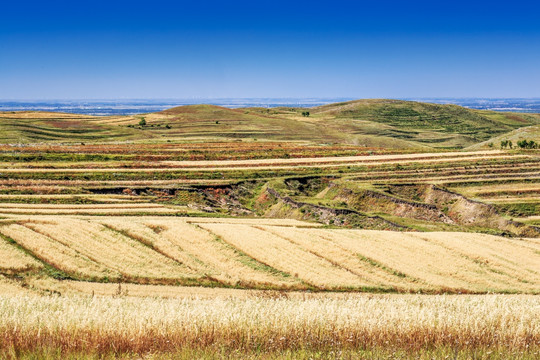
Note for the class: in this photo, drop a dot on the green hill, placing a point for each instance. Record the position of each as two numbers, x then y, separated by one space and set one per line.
393 124
431 124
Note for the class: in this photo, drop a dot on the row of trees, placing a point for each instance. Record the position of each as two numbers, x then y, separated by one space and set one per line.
522 144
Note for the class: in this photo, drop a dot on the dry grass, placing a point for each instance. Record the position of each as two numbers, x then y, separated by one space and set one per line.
104 326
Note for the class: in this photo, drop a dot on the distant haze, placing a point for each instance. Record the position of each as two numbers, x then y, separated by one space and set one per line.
139 106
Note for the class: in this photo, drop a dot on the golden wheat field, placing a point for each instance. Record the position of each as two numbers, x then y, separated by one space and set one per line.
352 326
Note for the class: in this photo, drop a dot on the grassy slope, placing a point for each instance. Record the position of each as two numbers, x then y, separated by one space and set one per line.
431 124
36 127
525 133
372 123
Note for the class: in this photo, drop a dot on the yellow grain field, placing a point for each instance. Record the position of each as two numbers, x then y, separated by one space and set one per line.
80 206
249 253
57 254
511 261
416 258
227 262
112 249
286 256
324 247
13 259
81 209
87 288
9 287
102 326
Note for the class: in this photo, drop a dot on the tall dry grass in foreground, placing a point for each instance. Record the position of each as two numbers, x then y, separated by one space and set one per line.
107 326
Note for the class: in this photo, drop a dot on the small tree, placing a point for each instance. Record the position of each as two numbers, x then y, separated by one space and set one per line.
524 144
142 122
305 113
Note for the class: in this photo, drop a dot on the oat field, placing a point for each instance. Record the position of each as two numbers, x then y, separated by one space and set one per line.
351 326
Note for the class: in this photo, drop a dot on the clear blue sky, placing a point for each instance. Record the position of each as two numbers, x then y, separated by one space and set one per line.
204 49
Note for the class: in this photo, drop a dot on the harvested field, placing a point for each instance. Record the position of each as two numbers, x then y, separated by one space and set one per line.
200 251
15 259
81 206
56 254
112 249
265 255
286 256
264 163
10 287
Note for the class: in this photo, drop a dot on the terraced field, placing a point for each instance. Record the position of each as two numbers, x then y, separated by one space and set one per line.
67 180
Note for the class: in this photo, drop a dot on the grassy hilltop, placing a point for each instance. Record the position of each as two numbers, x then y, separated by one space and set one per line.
390 124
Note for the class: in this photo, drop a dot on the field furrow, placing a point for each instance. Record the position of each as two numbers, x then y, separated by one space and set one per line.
510 261
415 257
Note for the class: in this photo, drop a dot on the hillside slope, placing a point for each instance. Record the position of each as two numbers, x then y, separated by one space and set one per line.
430 124
525 133
388 124
44 127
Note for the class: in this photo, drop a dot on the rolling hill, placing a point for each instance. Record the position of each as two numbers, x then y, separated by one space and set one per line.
389 124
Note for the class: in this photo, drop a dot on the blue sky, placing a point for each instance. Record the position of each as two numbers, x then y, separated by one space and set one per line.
205 49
